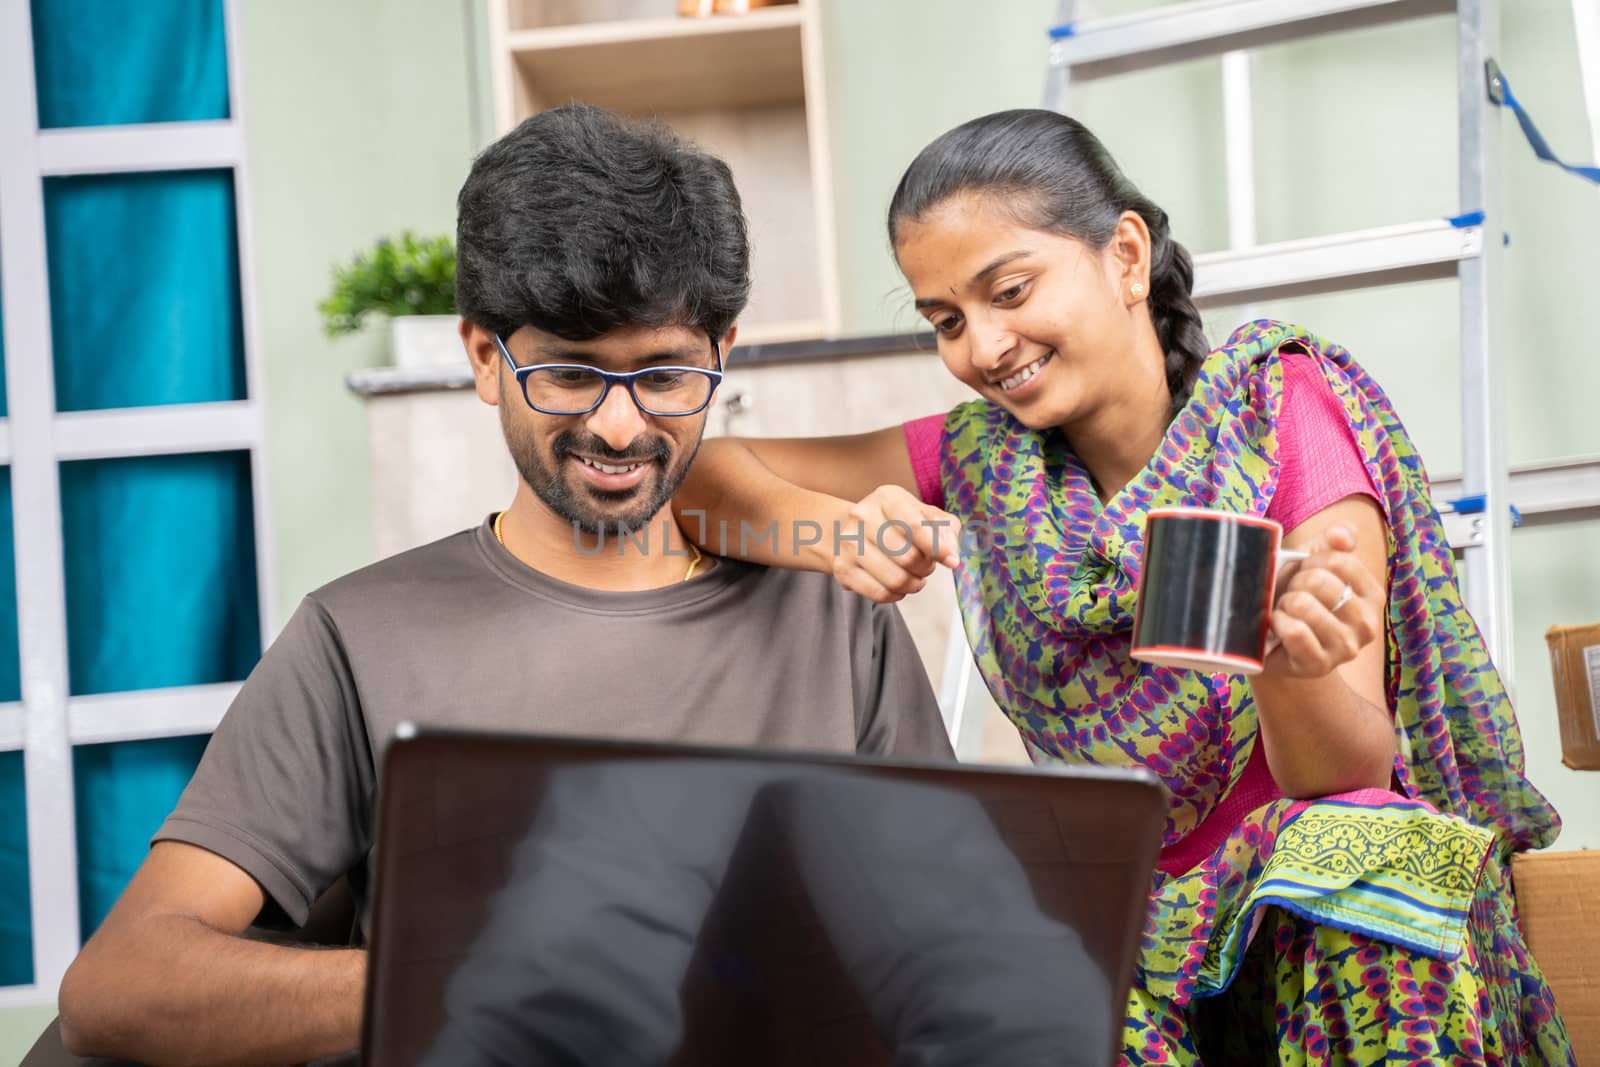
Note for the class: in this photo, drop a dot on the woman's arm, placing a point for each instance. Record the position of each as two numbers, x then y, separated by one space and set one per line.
846 467
822 504
1325 722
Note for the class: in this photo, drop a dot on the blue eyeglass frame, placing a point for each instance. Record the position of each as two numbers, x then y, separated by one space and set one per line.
610 378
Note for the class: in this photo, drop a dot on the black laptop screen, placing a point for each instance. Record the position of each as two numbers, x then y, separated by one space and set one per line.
572 904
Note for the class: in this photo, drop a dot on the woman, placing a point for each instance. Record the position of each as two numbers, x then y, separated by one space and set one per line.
1332 886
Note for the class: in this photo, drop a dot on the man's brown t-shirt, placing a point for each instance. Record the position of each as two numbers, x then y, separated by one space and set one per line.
459 633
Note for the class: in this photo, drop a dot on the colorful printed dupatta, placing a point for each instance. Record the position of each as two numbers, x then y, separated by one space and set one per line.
1048 583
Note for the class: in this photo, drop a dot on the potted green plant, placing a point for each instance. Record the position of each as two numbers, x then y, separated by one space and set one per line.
410 280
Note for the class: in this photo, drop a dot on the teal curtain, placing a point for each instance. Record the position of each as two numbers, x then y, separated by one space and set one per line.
144 289
161 591
10 666
160 571
108 62
122 792
16 935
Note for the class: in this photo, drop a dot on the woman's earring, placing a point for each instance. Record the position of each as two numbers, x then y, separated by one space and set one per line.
1136 290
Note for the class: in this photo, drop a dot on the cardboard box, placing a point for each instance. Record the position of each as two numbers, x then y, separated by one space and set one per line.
1558 907
1575 665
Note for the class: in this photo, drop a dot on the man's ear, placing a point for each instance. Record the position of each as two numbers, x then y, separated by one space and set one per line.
483 353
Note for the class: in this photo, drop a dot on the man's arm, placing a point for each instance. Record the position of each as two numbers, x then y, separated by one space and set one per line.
168 978
279 807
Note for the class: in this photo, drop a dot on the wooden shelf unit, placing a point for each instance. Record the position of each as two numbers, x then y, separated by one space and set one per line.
747 88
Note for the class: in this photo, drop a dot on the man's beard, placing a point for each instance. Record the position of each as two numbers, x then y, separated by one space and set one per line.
554 484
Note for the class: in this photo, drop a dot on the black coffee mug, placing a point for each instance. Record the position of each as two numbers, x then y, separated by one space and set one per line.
1205 594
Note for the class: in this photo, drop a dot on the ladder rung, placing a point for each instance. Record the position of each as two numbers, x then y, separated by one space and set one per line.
1569 489
1359 260
1095 48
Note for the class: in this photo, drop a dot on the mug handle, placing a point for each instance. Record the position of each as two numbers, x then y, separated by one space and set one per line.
1285 555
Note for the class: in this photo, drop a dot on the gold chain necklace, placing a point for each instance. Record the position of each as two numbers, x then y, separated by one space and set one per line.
693 548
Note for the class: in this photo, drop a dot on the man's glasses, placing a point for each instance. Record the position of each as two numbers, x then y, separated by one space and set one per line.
577 388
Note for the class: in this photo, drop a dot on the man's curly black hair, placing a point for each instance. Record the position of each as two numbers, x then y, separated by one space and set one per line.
579 222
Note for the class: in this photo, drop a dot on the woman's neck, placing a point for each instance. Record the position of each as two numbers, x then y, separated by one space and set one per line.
1116 440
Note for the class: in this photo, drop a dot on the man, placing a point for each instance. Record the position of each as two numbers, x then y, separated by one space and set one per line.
601 268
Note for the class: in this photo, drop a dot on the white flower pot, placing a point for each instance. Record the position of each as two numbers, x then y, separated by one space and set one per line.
420 341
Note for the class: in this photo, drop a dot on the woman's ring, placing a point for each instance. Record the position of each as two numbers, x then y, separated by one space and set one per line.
1344 598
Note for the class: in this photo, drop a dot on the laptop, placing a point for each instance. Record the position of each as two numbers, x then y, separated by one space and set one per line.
545 900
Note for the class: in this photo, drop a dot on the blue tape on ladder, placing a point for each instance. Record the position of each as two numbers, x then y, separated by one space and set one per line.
1474 218
1066 29
1541 147
1475 505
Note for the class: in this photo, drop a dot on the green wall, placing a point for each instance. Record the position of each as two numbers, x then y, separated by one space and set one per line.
361 122
20 1028
899 73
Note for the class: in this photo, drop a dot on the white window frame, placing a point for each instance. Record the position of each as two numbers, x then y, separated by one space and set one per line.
35 440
